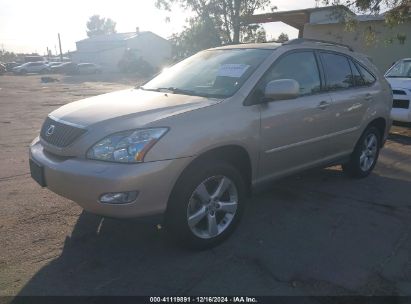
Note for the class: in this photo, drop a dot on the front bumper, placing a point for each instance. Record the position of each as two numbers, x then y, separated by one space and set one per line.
84 181
403 115
401 112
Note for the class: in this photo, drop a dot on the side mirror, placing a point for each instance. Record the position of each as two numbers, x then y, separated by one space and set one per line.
282 89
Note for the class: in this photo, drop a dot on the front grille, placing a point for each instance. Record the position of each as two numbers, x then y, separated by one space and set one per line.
401 104
59 134
399 92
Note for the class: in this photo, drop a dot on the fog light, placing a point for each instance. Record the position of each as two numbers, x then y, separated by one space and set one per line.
119 197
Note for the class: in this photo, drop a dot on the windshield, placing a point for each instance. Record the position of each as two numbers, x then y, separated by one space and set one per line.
401 69
214 73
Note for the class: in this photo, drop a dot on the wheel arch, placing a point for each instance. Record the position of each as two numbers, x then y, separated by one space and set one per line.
381 124
236 155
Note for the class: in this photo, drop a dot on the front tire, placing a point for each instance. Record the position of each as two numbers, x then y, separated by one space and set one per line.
365 155
206 204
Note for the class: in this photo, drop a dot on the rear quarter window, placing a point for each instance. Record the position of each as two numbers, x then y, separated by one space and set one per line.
367 76
358 80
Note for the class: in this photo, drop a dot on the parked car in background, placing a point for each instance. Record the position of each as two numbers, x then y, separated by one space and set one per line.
32 67
399 77
192 142
88 68
65 68
52 64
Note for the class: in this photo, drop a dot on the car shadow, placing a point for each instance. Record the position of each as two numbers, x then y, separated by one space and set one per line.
400 138
400 133
401 124
312 233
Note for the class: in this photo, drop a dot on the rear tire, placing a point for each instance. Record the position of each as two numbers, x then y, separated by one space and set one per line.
365 155
198 215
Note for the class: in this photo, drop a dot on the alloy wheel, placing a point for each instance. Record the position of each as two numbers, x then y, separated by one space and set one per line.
369 152
212 207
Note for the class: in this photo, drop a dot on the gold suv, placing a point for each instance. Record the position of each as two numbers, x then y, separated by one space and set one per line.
192 142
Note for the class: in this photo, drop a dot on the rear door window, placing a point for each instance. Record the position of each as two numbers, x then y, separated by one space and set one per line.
337 71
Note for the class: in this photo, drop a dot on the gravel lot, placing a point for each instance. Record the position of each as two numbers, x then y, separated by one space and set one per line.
317 233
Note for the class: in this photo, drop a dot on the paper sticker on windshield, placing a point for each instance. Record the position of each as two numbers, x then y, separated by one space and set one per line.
232 70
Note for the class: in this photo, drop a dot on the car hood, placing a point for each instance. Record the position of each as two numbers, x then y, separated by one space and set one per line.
400 83
146 106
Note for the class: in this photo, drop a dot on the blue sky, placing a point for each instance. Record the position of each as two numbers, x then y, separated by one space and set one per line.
32 26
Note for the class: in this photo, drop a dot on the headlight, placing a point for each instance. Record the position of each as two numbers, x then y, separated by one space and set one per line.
126 147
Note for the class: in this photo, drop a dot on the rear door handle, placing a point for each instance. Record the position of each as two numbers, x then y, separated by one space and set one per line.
323 105
368 97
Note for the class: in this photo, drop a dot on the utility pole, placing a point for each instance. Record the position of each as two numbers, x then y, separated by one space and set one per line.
61 53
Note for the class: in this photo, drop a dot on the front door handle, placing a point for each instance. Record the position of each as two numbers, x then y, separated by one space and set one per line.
323 105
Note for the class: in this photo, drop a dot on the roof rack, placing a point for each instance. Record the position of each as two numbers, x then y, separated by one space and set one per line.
302 40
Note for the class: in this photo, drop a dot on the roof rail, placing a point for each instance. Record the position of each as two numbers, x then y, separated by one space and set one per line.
302 40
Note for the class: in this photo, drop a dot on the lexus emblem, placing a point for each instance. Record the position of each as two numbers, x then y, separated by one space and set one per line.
50 130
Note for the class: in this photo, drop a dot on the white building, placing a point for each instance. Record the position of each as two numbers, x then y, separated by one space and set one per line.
108 50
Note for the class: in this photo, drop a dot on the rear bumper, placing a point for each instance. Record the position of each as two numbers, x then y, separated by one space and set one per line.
84 181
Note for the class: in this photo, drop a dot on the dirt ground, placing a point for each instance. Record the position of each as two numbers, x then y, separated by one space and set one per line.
316 233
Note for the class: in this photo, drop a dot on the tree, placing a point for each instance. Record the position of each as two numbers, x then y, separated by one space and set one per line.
254 34
225 15
198 35
283 38
100 26
6 56
397 11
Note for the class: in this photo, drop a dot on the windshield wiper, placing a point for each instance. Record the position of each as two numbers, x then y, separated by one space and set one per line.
175 90
178 91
